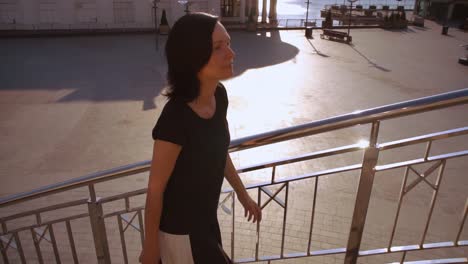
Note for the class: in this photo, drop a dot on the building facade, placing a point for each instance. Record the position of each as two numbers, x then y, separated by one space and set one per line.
444 10
102 14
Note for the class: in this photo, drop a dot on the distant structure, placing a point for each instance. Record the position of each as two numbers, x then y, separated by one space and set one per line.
102 14
442 9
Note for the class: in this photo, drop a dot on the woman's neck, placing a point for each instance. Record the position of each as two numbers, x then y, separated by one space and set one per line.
207 91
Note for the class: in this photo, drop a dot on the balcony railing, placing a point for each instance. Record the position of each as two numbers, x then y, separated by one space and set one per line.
76 225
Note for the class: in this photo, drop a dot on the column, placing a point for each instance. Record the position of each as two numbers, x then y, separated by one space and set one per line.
273 14
257 11
253 10
450 11
426 7
242 11
264 13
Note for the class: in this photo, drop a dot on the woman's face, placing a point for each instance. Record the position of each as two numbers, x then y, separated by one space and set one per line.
220 65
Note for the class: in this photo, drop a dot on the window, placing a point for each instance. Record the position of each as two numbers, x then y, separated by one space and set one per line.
200 6
47 11
230 8
8 12
86 11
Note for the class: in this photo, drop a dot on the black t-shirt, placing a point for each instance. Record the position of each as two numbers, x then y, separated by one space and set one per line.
192 193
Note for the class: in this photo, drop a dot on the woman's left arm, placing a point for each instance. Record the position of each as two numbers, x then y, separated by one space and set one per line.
250 207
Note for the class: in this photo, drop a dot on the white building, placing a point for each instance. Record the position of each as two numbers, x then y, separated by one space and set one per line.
101 14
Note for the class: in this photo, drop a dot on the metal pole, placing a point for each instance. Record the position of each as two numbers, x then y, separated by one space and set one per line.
98 227
155 7
363 195
350 14
307 12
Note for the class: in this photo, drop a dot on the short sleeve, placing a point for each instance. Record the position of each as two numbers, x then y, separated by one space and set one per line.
170 125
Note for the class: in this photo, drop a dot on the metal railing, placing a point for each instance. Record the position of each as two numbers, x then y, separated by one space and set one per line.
15 247
299 23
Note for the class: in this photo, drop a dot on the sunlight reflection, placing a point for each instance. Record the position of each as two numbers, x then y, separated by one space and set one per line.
271 105
363 143
357 112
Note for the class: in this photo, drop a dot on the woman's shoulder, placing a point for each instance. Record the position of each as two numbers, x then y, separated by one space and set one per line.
174 108
171 125
221 88
221 91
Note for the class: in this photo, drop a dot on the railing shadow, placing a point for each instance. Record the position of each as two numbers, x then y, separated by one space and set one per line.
318 52
373 64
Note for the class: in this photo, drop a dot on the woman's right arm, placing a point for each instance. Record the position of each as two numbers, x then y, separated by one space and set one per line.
164 158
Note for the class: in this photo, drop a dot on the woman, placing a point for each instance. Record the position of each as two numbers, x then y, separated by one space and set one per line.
190 149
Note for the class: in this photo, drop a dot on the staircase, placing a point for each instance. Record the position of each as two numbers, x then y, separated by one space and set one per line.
98 218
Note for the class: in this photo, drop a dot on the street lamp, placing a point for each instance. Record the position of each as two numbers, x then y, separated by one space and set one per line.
350 14
155 8
186 3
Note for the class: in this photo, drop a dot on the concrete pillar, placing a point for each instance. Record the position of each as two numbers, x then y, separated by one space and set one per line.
253 10
264 12
242 11
450 11
423 7
248 7
273 15
257 11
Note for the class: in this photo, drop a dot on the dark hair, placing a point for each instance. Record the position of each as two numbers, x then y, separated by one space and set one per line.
188 49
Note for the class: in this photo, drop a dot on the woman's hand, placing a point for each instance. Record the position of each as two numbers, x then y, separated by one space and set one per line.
251 208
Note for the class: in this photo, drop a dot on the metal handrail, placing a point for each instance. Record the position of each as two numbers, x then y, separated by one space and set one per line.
342 121
355 118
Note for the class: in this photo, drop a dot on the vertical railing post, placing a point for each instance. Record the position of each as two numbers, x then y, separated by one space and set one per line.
366 180
3 249
98 228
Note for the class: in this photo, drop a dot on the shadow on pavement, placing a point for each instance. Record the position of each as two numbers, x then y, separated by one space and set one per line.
115 68
373 64
259 49
318 52
406 30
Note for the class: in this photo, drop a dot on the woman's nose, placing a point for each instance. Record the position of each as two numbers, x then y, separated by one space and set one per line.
231 53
